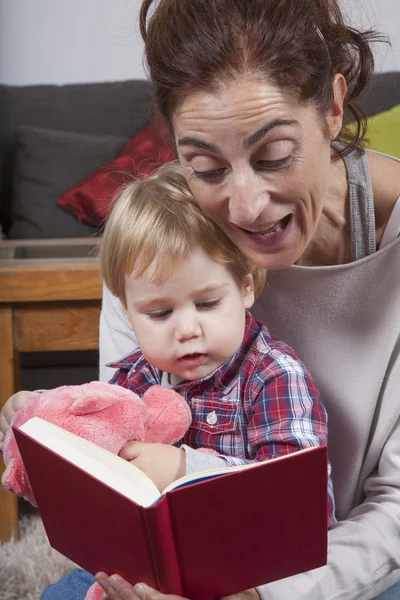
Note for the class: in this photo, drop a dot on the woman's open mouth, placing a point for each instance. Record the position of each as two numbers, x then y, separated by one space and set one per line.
272 234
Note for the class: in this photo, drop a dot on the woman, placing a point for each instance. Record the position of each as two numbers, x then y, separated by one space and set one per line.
254 93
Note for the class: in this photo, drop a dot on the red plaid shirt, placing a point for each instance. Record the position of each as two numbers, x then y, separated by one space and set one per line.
260 404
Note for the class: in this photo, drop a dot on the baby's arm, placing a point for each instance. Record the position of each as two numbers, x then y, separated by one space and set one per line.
13 404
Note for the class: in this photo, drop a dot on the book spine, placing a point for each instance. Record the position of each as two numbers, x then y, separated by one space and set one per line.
163 548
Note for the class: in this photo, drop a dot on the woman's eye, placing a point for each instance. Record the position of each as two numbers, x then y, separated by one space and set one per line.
213 175
208 304
273 165
159 315
274 155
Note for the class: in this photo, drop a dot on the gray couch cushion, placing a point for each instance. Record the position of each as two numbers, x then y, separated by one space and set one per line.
47 164
118 108
382 93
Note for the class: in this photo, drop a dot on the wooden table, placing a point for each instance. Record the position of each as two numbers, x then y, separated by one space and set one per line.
47 303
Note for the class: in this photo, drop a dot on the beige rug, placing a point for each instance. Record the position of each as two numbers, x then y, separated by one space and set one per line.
29 565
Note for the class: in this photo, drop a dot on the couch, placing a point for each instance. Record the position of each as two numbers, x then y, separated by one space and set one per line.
109 113
46 132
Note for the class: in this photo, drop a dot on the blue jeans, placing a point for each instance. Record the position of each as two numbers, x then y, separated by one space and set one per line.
392 593
75 585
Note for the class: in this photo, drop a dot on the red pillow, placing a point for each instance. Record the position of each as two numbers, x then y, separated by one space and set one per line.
90 200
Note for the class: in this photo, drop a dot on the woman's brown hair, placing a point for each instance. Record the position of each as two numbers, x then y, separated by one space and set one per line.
298 44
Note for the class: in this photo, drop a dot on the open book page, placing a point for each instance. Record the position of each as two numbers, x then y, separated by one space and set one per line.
112 470
202 475
107 467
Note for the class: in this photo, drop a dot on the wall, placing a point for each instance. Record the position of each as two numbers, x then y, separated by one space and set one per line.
62 41
383 15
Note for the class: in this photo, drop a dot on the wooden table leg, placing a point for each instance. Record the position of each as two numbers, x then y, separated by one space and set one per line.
8 501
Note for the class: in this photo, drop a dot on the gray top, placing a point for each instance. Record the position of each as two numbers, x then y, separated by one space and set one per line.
344 323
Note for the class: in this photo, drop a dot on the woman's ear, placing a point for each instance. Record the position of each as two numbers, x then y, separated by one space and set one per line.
248 291
335 117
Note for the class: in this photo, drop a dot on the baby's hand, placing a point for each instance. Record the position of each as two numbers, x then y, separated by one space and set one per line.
12 406
161 462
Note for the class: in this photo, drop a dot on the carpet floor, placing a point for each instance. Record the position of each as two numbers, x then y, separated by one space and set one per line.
29 565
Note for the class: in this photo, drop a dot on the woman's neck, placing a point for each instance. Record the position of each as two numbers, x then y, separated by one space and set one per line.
331 243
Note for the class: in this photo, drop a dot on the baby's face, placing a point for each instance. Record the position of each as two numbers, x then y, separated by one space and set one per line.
192 323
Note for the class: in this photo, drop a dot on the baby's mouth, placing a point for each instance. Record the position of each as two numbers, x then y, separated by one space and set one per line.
194 359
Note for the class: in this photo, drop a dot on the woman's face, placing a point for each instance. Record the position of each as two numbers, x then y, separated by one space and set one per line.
258 161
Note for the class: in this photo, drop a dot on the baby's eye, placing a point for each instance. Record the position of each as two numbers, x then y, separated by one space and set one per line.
208 304
159 315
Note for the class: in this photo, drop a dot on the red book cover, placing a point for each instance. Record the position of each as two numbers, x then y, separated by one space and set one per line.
212 538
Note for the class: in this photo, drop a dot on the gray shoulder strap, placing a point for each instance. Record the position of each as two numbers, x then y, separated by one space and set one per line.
362 211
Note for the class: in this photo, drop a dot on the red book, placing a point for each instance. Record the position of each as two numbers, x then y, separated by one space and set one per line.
213 534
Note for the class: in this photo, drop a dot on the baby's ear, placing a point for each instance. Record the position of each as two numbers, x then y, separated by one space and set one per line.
248 291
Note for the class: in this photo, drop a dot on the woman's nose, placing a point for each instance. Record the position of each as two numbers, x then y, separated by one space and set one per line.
247 201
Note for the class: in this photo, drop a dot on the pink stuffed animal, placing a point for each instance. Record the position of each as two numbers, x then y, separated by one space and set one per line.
105 414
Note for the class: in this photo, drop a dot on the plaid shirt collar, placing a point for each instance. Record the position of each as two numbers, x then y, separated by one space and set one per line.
141 374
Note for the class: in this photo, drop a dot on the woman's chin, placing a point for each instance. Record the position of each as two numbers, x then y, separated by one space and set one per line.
275 262
269 257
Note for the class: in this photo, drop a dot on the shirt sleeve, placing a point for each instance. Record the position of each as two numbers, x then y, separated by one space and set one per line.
287 411
116 339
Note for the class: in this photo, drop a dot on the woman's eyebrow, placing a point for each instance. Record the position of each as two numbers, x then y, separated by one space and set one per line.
252 139
262 132
192 141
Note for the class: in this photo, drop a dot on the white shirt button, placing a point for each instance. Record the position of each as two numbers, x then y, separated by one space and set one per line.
212 418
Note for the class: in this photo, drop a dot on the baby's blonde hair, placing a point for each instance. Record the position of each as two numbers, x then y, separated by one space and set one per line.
156 221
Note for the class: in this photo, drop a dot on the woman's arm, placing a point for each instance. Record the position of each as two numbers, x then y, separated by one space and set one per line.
116 339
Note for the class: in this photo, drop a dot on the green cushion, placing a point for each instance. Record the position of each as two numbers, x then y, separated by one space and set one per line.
384 132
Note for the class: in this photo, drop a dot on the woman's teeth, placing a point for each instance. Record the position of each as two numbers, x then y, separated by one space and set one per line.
272 230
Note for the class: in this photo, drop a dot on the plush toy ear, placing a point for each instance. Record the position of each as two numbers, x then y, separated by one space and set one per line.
92 401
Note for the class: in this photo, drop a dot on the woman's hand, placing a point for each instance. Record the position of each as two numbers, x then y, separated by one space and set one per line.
117 588
13 404
161 462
